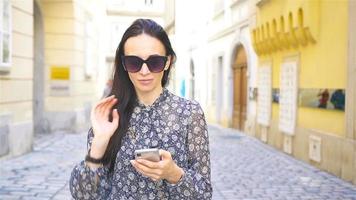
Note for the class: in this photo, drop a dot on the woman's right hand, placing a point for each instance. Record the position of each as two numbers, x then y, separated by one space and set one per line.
103 129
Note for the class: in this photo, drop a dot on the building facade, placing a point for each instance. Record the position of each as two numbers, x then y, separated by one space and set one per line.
281 71
306 88
51 53
217 63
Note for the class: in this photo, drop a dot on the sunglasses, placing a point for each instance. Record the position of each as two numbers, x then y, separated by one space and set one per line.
155 63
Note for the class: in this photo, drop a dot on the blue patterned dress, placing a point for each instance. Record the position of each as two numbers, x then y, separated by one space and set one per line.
172 123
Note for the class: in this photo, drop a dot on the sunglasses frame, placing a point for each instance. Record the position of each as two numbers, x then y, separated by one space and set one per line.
144 61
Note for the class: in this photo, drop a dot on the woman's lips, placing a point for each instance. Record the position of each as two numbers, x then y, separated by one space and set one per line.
145 81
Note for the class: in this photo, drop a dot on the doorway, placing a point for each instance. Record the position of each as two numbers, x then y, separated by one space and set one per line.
239 89
38 72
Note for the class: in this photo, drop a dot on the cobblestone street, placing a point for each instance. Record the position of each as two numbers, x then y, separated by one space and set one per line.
242 168
43 173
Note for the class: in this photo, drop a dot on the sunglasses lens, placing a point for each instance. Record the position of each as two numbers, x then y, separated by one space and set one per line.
132 63
156 63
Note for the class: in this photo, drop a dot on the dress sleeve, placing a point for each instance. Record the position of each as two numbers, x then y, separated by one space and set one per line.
86 183
195 183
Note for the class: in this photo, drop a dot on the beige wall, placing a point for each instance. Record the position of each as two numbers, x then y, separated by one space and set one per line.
16 85
228 29
65 42
64 24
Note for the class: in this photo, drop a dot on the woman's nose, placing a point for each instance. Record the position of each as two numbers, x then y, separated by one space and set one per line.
144 69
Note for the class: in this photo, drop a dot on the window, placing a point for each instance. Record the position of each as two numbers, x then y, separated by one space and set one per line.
5 33
115 35
213 83
288 96
217 81
148 2
264 98
218 6
90 46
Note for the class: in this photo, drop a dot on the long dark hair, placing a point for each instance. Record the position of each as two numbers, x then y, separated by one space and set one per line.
123 88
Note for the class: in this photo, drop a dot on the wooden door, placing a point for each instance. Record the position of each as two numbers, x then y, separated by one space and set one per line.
240 90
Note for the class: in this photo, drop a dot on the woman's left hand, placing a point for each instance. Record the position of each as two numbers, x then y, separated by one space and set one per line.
164 169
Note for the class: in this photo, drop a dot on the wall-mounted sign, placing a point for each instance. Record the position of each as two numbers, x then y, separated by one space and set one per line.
275 95
333 99
60 72
59 84
252 94
59 88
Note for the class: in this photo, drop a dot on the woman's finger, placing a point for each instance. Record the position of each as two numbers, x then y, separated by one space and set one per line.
115 117
108 106
102 108
165 154
145 169
97 106
106 99
143 172
149 164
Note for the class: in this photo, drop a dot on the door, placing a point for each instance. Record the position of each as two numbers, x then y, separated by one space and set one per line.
240 89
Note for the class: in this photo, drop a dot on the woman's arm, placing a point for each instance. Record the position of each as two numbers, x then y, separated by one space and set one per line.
88 182
195 183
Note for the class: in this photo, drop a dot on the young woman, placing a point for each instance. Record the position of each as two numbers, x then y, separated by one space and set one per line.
141 113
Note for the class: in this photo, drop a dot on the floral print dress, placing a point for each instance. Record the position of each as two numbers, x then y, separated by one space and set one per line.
171 123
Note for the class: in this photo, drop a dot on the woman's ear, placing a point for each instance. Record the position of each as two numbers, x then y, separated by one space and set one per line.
168 63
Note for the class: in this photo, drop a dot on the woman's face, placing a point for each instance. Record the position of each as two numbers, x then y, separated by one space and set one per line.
144 46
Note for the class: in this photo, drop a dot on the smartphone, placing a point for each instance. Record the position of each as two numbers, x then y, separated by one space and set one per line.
148 154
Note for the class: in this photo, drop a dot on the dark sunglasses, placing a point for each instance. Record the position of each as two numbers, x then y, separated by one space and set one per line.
155 63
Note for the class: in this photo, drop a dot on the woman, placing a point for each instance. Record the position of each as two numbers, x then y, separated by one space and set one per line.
145 114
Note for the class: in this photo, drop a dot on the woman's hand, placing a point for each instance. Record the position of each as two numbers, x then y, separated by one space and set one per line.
164 169
103 129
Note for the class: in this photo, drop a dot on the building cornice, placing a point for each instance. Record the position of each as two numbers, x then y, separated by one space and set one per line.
228 30
134 13
260 3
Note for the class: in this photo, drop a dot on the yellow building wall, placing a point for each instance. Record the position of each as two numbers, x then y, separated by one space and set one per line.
322 64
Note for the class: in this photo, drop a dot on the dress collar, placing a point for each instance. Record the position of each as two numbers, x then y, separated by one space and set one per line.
160 99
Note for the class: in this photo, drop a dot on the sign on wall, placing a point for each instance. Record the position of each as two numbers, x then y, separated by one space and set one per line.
288 97
323 98
59 84
264 97
60 72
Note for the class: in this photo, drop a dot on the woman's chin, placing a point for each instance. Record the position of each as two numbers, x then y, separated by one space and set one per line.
145 88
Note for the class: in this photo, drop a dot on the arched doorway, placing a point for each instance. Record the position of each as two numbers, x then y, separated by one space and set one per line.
38 72
239 88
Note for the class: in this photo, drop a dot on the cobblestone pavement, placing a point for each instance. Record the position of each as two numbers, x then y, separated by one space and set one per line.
245 168
43 173
242 168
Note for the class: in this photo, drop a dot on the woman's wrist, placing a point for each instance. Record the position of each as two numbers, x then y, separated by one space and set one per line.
176 176
98 148
93 166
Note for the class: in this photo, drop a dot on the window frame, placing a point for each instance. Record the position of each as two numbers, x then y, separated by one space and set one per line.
5 66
